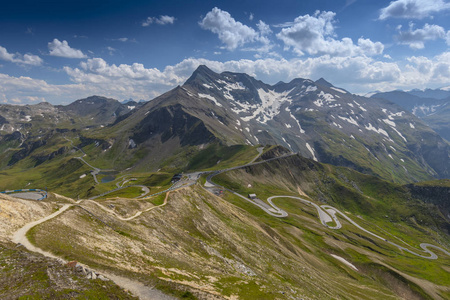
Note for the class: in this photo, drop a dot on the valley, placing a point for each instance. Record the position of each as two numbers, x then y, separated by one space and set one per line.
326 214
225 150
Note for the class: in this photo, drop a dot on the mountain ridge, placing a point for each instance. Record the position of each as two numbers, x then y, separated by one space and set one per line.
320 121
432 106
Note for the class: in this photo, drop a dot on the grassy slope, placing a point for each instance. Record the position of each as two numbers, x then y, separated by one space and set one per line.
205 244
380 206
62 173
29 276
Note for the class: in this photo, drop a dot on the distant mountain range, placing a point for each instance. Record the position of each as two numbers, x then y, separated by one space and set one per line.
432 106
316 119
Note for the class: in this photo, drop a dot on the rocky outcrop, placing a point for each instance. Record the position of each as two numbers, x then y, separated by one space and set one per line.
83 271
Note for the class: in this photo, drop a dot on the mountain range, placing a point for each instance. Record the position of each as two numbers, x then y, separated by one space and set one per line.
312 227
432 106
315 119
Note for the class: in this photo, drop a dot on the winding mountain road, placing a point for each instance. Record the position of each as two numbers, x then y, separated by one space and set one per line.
95 171
137 214
326 213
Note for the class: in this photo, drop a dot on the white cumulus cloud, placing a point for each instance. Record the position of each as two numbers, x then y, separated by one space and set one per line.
231 32
122 39
62 49
161 20
413 9
415 38
26 59
357 74
263 28
315 35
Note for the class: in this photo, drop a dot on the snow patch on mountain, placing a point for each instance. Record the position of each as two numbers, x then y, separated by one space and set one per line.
335 105
215 116
324 99
187 92
295 119
270 106
318 102
311 88
311 149
210 98
389 122
398 132
424 109
392 115
350 120
380 131
284 140
227 87
338 90
360 106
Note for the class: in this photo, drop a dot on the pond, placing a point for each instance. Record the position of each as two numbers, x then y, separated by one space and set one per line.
108 178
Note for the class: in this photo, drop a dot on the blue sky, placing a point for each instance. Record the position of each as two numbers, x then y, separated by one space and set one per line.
60 51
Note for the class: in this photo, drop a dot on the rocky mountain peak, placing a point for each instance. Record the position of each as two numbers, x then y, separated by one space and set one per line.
323 82
202 74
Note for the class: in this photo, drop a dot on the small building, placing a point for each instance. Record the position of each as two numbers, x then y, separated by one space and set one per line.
176 177
252 196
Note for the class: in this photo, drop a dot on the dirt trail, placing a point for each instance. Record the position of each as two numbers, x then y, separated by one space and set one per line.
135 215
137 288
20 235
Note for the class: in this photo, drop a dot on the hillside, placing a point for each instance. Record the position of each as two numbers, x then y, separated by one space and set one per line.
214 112
315 119
192 243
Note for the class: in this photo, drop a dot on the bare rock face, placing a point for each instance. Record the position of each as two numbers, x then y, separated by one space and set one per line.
15 213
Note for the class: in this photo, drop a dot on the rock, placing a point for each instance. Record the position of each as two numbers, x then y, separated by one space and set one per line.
93 275
103 278
72 264
79 268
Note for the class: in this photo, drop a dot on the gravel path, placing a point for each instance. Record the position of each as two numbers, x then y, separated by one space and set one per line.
135 215
20 237
137 288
